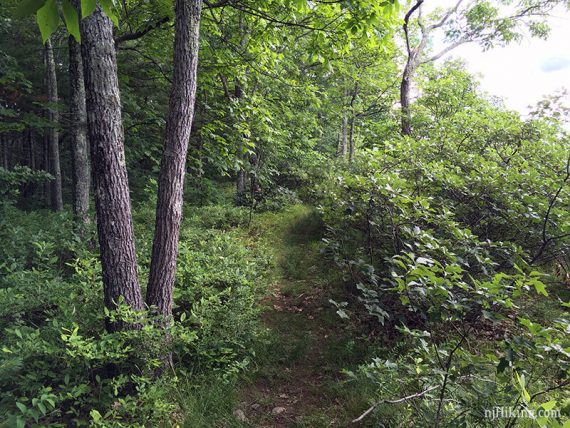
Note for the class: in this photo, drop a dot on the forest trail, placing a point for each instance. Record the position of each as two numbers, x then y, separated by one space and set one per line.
300 383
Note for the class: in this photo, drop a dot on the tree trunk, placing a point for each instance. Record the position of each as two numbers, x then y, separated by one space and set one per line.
405 88
173 161
112 199
344 136
4 142
78 136
241 179
351 139
46 163
53 134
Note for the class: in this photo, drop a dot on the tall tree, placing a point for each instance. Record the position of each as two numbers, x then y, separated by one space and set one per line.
476 21
173 161
112 199
78 133
53 134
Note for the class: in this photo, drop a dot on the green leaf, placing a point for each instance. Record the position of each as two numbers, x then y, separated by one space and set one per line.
540 287
95 415
549 405
107 6
48 19
28 7
71 19
22 407
87 7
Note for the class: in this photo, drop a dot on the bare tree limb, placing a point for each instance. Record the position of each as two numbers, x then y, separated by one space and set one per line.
406 23
445 17
444 51
398 401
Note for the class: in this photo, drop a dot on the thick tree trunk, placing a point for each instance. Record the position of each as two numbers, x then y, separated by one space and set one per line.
46 167
173 161
405 88
78 136
112 199
241 184
53 134
351 139
241 177
4 142
344 136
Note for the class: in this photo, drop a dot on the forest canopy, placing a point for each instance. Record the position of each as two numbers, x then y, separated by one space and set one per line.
281 213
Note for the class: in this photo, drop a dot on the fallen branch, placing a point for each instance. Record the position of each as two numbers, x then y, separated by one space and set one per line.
398 401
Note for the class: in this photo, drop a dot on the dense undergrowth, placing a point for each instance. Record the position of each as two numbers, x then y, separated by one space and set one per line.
448 242
58 367
452 251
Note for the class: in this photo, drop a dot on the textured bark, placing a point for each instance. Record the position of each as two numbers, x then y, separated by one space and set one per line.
344 136
241 184
173 161
78 135
31 155
355 92
53 134
351 139
241 177
46 167
405 87
4 143
112 199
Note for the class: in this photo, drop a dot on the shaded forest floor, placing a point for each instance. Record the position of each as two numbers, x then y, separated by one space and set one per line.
299 382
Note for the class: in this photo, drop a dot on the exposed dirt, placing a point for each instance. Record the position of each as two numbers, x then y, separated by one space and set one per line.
301 384
287 398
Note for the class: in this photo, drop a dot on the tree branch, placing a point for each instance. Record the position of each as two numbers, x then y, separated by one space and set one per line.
138 34
444 51
398 401
445 17
406 23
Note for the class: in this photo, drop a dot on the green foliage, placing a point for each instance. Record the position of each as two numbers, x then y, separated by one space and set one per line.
58 366
11 181
439 238
219 216
48 14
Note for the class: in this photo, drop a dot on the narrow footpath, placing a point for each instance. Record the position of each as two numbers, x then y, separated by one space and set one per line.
300 383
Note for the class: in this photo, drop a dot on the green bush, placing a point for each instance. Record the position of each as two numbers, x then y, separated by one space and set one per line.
219 216
59 367
441 239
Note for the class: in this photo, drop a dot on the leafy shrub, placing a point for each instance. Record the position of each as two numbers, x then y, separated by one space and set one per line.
278 199
59 367
219 216
11 181
439 239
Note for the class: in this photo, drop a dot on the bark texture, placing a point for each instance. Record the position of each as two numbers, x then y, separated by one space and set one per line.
241 179
112 199
78 135
173 161
405 87
4 143
53 134
351 139
344 136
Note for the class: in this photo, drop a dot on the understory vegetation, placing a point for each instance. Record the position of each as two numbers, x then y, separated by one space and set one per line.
316 224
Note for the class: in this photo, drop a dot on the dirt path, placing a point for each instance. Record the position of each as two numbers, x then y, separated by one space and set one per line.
300 382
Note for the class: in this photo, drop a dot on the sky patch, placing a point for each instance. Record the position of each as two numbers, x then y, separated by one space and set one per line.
555 63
